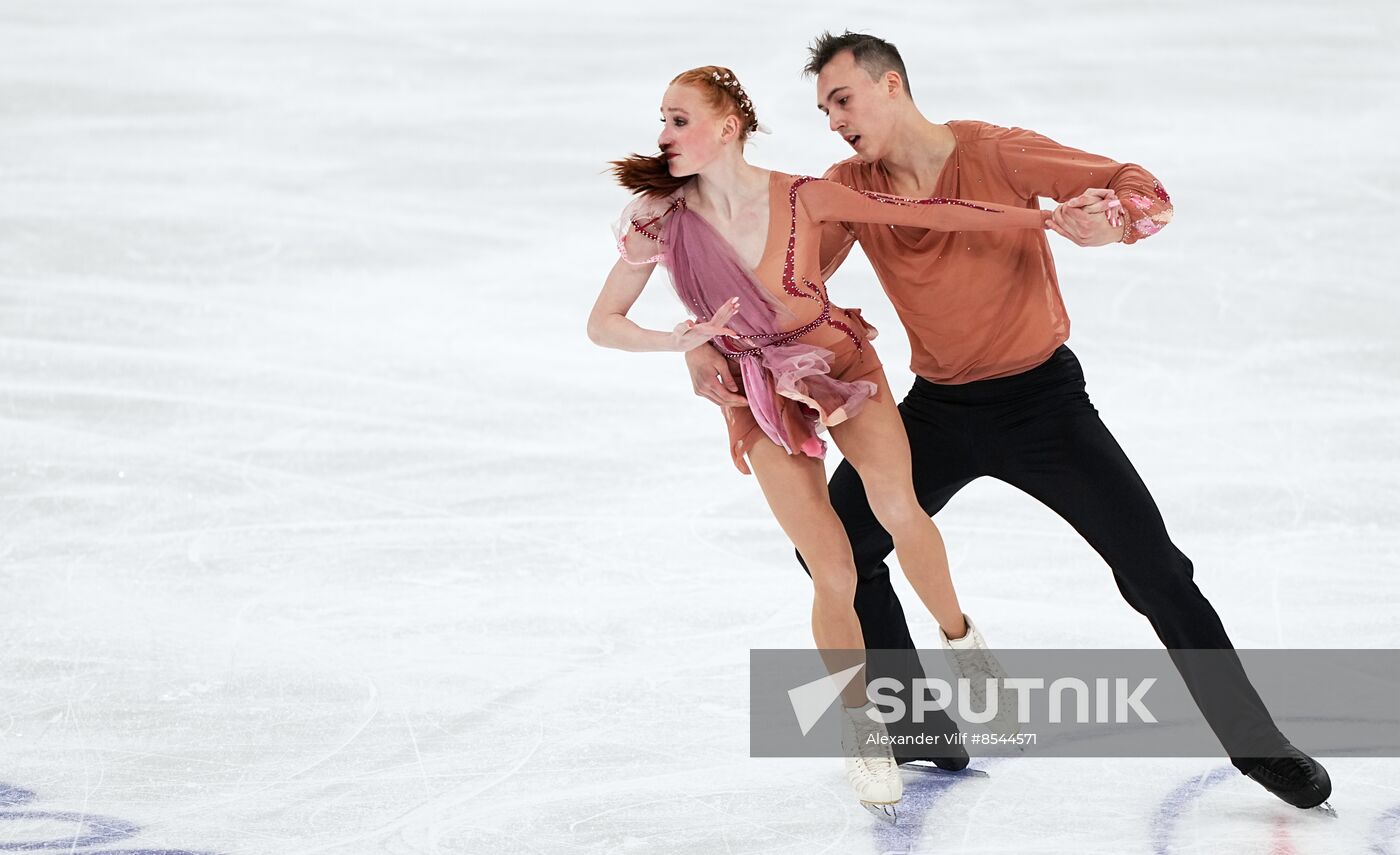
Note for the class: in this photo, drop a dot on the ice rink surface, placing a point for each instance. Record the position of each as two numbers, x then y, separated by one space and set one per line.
324 529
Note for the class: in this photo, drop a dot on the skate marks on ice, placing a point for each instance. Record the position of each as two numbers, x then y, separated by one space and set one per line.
1221 809
30 830
891 813
903 829
746 819
695 807
1385 833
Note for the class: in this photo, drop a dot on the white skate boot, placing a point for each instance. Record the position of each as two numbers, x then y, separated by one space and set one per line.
870 764
970 658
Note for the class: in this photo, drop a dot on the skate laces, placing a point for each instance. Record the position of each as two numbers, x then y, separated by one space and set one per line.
977 667
978 664
1291 769
869 753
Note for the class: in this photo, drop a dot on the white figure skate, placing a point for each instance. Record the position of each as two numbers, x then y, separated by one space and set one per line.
970 658
870 765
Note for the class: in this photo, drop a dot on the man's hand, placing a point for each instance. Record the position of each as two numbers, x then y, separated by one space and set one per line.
713 377
1093 218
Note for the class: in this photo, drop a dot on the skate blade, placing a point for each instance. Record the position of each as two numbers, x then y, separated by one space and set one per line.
1325 809
885 813
929 766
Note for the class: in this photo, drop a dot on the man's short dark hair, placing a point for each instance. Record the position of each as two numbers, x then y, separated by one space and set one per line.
871 53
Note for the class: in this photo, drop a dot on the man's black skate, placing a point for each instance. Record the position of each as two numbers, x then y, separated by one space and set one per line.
953 758
1292 776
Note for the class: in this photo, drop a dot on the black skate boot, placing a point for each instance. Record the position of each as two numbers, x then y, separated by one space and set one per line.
1292 776
948 755
953 759
951 756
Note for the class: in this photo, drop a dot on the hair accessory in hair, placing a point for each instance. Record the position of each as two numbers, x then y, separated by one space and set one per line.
727 80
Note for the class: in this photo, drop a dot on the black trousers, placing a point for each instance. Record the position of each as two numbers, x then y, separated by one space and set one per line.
1038 432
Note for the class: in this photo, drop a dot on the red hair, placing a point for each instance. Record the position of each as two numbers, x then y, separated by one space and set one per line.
650 175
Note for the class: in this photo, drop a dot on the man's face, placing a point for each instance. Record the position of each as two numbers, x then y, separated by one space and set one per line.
857 108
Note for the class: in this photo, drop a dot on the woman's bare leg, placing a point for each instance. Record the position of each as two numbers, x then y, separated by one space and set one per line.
795 486
875 443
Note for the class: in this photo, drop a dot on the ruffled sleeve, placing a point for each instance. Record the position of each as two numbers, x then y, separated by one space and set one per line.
640 230
1036 165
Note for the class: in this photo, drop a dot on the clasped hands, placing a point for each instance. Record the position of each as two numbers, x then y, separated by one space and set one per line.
1093 218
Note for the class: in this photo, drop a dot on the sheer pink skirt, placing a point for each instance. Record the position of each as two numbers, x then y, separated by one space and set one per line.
804 406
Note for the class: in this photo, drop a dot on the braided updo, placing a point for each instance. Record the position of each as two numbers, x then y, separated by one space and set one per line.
651 174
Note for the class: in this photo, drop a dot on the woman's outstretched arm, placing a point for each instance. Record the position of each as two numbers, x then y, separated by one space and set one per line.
828 201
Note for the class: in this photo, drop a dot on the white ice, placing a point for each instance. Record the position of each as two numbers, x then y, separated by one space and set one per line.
324 529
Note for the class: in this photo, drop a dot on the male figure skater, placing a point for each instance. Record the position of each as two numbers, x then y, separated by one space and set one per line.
998 393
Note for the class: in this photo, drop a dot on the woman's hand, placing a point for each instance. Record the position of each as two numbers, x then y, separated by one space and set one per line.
689 335
1093 218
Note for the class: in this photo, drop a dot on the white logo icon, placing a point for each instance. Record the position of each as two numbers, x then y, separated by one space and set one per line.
812 699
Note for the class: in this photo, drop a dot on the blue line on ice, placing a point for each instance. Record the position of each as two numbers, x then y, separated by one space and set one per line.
1176 803
99 830
1384 831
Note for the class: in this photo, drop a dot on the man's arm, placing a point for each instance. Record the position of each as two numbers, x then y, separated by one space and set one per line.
1035 165
712 377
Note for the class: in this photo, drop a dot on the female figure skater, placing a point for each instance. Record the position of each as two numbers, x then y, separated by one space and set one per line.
742 246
